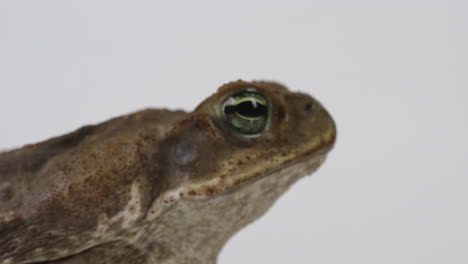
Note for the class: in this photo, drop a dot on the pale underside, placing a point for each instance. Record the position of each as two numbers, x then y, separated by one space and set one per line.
189 231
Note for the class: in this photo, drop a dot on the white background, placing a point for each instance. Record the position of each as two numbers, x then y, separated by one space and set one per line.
392 73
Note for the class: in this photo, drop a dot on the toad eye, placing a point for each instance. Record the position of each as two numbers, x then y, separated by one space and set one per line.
246 112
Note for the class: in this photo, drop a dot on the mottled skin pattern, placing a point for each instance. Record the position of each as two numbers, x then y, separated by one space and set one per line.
156 186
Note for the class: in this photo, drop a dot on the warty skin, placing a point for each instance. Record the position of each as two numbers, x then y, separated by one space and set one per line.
157 186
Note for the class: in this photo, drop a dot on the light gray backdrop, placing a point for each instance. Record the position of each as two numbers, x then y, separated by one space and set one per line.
392 73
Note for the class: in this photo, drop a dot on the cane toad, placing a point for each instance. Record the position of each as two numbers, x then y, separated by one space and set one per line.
159 186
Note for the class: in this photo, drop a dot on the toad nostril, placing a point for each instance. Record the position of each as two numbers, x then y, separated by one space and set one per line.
308 106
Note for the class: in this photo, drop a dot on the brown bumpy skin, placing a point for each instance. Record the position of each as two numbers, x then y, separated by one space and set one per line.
156 186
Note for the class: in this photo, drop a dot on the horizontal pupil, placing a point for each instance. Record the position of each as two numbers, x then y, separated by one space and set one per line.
246 112
250 109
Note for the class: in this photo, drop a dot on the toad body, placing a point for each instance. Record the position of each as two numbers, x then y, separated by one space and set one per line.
159 186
